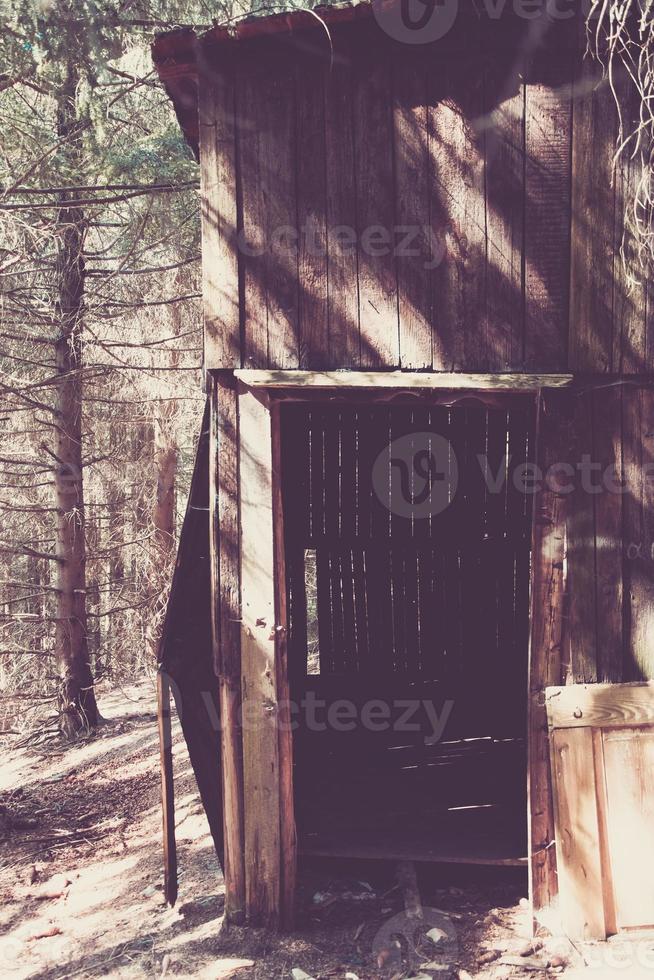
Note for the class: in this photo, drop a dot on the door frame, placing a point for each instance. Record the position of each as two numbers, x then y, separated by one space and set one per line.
268 823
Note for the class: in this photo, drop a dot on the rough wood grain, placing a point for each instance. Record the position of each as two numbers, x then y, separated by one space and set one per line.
629 767
633 350
607 457
600 705
222 347
548 587
269 246
373 155
253 232
458 215
593 208
581 624
638 533
225 609
577 834
504 148
488 161
342 289
259 672
413 240
610 921
288 837
401 379
312 261
547 219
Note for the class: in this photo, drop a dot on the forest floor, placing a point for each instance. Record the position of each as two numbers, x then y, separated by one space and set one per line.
81 883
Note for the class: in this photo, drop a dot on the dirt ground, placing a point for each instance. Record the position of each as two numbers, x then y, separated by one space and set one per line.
81 884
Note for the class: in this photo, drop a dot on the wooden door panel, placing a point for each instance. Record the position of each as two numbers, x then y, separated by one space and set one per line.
602 750
629 769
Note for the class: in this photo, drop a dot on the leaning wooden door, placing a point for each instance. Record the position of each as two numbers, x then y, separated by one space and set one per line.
602 747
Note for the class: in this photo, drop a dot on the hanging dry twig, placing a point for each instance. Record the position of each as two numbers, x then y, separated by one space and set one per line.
621 37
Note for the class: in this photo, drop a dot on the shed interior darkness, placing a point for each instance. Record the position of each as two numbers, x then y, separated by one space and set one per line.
400 620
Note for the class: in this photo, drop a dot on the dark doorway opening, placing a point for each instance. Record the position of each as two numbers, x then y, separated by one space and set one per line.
407 539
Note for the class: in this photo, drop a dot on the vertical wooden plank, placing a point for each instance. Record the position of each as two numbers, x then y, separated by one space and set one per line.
288 837
279 151
331 471
607 456
324 607
297 528
253 236
397 567
261 763
225 616
361 617
373 155
167 786
629 767
269 246
593 209
638 504
311 214
514 556
349 461
317 472
610 921
219 219
548 587
577 834
581 639
633 349
415 256
350 640
547 212
504 147
458 215
342 285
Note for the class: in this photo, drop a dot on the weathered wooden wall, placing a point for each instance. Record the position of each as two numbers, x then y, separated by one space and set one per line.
609 625
492 147
493 151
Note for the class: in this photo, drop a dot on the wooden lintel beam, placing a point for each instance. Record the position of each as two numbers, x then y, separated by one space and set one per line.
400 379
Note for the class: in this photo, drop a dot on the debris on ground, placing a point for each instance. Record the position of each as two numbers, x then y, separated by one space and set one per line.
80 885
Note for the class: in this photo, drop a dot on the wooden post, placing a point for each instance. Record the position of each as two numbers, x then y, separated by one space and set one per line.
267 745
288 839
167 787
549 541
408 882
225 617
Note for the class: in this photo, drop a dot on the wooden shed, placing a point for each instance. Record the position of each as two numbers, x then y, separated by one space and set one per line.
412 614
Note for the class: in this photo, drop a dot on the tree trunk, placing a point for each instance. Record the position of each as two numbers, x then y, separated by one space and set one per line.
77 705
163 519
164 508
163 512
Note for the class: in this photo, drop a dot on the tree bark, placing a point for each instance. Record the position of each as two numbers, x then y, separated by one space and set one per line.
164 507
77 706
165 461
